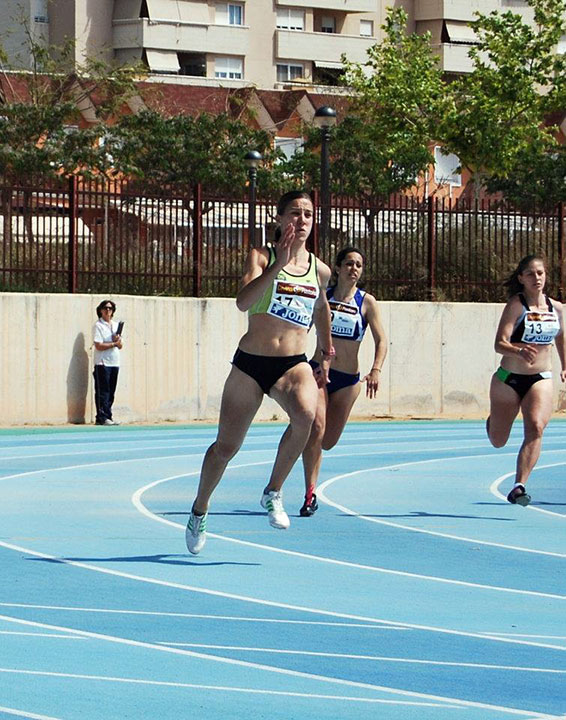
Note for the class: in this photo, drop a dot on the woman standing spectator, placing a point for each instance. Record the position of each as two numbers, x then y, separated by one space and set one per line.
530 324
352 311
283 291
107 346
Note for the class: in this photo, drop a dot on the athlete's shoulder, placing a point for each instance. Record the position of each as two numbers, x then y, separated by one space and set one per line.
322 270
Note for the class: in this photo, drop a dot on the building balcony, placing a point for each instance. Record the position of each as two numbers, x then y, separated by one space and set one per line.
453 58
349 6
181 36
320 46
463 10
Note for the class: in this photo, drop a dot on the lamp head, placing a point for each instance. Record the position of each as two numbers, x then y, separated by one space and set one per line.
325 117
253 158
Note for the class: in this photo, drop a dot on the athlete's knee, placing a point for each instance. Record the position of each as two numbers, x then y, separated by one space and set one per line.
534 429
329 442
497 440
302 419
317 429
225 449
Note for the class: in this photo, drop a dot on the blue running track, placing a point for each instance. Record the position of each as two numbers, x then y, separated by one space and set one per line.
415 592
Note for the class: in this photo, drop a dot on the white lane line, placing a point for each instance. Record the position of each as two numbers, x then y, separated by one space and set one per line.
272 603
202 616
272 669
373 658
379 521
40 635
160 458
531 635
25 714
229 688
138 504
494 489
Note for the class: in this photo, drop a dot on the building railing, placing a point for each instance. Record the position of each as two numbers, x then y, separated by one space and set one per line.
117 238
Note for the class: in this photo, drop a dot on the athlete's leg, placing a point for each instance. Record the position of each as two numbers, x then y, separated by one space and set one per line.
504 407
536 409
297 393
312 454
241 399
340 405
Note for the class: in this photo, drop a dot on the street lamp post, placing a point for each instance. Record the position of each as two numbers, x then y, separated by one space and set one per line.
252 159
325 118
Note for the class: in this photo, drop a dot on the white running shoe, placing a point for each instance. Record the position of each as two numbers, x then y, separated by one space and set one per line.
195 534
273 503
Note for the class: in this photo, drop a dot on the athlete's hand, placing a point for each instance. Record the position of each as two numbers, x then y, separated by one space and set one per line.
372 383
528 353
322 377
283 247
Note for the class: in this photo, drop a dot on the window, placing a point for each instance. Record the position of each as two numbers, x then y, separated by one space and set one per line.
289 72
40 13
228 67
288 19
229 14
446 168
192 64
328 24
366 28
289 146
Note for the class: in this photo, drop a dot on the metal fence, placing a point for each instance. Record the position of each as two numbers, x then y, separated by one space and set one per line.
116 238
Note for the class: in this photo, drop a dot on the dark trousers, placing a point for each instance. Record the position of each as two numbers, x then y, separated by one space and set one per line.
105 381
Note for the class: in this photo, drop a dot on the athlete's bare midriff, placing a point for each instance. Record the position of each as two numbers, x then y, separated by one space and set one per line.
273 337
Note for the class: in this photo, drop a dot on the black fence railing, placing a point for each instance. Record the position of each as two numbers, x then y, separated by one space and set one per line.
113 238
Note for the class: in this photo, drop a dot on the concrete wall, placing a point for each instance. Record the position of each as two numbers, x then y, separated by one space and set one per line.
177 353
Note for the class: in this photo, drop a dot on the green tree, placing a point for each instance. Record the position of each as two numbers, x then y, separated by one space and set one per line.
207 149
494 119
41 132
382 142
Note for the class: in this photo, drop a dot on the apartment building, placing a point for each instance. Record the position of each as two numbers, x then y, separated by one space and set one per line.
271 44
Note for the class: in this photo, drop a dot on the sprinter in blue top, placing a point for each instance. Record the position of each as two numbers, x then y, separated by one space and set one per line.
530 324
352 311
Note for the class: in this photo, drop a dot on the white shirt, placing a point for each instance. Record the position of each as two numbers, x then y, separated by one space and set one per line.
103 332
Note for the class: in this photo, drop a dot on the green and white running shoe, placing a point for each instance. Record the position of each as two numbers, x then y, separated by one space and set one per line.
273 503
195 534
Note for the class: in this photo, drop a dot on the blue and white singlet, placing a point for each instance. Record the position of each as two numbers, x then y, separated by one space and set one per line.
347 320
536 327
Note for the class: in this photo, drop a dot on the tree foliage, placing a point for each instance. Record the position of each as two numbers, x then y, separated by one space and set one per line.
496 117
382 141
207 149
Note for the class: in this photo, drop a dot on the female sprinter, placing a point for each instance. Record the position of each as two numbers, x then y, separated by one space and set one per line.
283 291
531 322
352 311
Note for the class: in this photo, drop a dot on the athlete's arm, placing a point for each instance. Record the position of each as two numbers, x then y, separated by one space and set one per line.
370 309
321 321
560 340
257 276
503 344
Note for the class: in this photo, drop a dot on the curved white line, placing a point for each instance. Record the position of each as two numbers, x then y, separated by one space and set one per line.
518 548
228 688
319 558
272 603
494 489
23 713
270 668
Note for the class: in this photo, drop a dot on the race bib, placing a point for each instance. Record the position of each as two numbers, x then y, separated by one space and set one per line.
293 302
540 328
344 319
